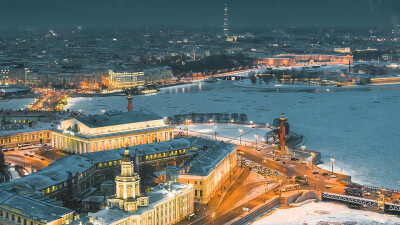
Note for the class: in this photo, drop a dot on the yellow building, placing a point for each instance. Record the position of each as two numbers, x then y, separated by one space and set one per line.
27 210
111 130
214 164
14 138
119 80
165 204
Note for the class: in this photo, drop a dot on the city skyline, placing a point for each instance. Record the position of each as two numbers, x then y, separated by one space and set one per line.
253 13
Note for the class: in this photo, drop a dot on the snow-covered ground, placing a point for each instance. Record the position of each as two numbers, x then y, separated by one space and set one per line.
318 213
16 103
229 132
358 127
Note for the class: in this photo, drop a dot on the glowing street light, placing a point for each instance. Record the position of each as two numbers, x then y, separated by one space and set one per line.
215 131
273 151
303 147
256 137
240 136
312 161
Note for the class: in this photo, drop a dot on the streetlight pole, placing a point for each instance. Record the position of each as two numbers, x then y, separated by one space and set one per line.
333 161
312 161
280 188
315 183
256 137
273 151
215 131
240 136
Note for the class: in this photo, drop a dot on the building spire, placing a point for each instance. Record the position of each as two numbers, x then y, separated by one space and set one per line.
225 27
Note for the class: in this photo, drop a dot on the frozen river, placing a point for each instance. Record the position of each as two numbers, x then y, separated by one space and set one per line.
359 127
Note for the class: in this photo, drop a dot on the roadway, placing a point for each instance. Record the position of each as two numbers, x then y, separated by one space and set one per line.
48 100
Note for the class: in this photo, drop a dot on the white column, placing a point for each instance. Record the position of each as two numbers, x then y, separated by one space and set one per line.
88 147
53 143
76 147
84 147
103 142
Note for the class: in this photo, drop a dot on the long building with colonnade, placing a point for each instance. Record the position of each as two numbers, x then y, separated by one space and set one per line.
111 130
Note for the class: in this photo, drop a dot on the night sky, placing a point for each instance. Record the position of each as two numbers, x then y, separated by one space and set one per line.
243 13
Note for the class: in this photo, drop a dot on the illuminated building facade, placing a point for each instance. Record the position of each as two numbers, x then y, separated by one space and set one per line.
305 59
206 172
119 80
166 203
111 130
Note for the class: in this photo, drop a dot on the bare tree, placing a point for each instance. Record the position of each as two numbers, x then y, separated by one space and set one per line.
243 117
201 117
218 116
225 117
234 116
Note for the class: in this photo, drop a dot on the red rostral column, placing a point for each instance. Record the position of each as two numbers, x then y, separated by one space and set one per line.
129 103
282 132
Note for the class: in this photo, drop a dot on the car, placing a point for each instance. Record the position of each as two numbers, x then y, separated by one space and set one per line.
26 154
328 186
325 174
333 176
315 171
30 155
43 159
277 159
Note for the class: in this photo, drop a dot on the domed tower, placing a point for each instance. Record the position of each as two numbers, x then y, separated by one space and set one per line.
128 196
128 182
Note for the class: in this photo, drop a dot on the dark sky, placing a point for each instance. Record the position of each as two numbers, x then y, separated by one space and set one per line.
243 13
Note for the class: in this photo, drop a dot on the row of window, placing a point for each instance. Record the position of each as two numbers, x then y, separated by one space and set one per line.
109 164
16 218
25 138
165 154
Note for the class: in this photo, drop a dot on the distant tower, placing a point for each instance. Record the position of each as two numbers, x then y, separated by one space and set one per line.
129 103
226 30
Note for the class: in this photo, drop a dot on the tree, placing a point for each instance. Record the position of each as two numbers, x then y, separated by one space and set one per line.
243 117
225 117
193 116
234 116
201 117
218 116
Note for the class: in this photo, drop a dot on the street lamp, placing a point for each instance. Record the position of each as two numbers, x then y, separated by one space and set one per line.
303 147
280 188
273 151
312 161
215 131
333 161
240 136
315 181
256 137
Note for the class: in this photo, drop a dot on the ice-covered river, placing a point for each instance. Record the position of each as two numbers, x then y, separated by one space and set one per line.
359 127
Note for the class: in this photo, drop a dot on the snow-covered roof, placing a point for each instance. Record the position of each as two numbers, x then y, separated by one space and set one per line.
32 208
59 169
158 194
207 159
112 118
